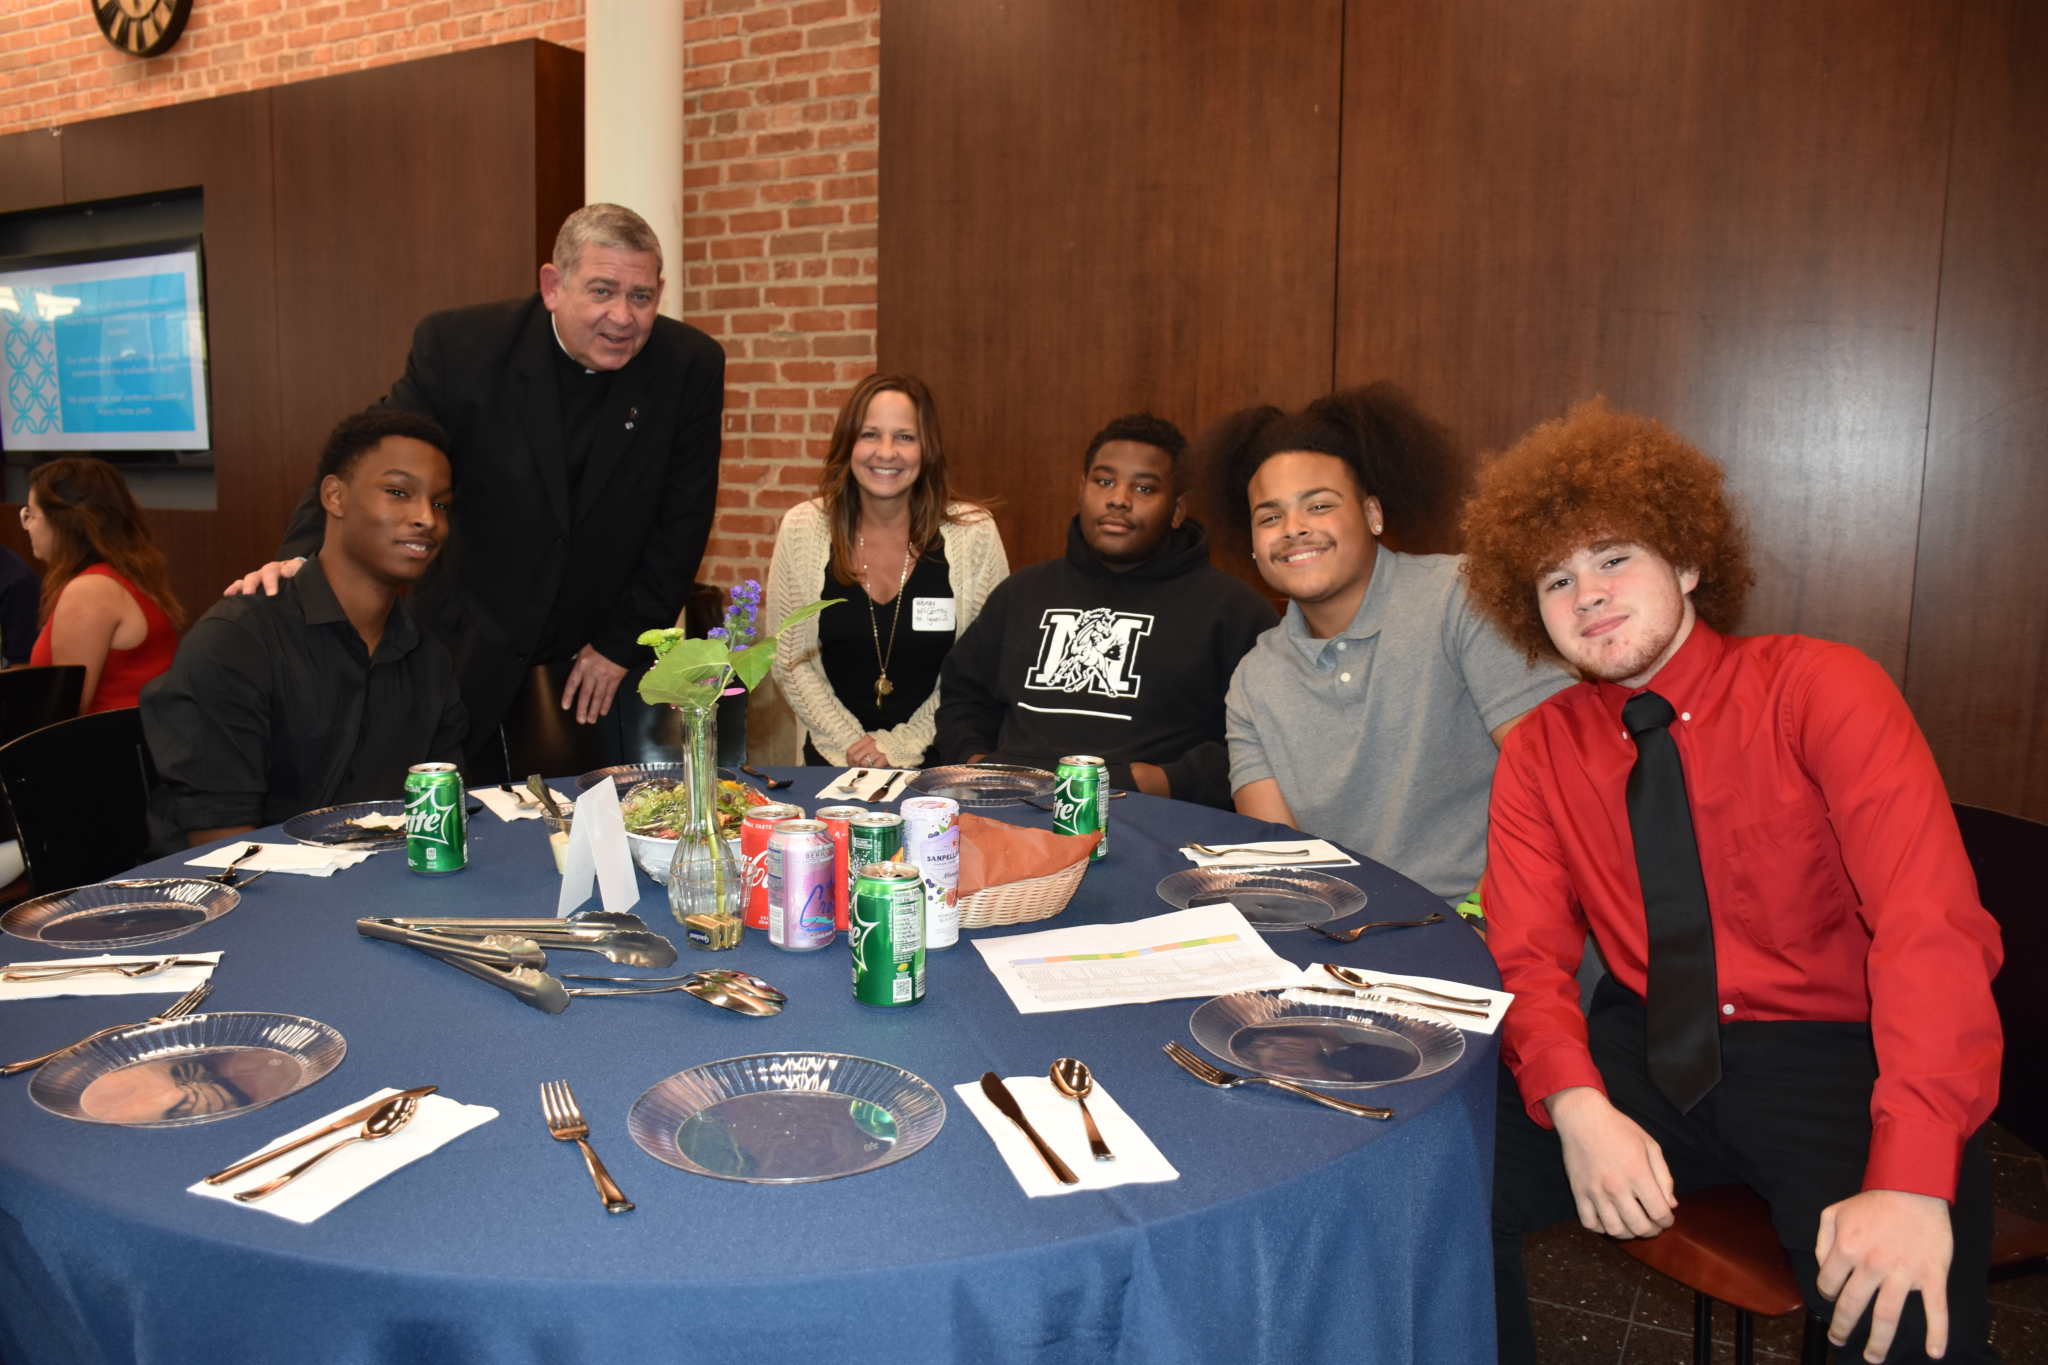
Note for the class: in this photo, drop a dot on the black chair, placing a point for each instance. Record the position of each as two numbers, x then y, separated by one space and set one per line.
2010 856
80 793
31 698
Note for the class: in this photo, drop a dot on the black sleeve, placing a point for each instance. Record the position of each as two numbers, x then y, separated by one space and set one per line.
970 718
207 721
20 602
1201 775
689 500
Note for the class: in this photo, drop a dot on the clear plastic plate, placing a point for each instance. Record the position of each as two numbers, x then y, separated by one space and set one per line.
1275 900
631 775
786 1118
985 785
198 1069
121 914
1328 1037
333 827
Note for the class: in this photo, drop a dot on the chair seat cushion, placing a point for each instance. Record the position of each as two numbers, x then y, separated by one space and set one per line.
1723 1245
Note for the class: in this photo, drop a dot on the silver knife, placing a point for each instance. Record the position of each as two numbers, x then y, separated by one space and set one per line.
999 1095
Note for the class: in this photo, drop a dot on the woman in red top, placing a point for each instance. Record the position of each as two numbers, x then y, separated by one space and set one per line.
107 599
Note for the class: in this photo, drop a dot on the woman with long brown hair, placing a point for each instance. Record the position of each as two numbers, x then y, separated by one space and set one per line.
107 601
912 565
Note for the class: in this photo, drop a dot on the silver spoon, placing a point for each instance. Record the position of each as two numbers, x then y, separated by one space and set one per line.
1071 1077
1351 935
391 1116
1352 978
226 876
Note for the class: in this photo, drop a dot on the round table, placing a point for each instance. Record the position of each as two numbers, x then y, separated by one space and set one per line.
1294 1233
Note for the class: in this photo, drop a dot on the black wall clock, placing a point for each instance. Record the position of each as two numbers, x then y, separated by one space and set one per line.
141 28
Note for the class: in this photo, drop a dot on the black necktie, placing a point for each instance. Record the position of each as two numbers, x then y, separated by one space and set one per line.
1683 1028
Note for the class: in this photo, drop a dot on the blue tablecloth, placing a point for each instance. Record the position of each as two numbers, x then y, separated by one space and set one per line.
1294 1234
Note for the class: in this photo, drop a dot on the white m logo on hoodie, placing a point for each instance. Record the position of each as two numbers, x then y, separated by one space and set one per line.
1089 651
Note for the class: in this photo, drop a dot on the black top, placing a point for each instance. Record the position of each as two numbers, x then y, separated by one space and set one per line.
1071 657
21 596
273 707
846 641
583 392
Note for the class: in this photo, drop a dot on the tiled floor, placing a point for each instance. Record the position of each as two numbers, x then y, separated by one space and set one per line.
1595 1304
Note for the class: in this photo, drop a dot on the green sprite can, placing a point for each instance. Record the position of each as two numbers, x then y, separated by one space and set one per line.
436 841
872 837
1080 802
885 926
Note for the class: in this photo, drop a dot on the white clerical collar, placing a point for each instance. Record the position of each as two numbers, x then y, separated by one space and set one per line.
565 350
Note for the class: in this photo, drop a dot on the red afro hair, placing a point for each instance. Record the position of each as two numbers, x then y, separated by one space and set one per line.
1593 476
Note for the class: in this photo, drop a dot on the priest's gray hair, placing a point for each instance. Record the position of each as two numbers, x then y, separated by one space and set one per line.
609 225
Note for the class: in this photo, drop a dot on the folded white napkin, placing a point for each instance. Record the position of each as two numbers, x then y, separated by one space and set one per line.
169 981
1058 1121
304 859
355 1168
1320 853
844 788
1315 975
506 805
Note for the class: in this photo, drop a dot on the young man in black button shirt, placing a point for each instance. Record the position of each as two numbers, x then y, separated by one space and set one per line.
328 691
1123 648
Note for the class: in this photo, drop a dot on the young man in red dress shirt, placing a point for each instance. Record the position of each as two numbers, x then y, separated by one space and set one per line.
1754 832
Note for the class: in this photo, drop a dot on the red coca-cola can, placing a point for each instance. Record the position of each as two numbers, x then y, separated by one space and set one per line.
754 831
839 820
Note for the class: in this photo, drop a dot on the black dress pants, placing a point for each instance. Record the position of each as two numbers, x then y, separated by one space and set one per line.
1790 1119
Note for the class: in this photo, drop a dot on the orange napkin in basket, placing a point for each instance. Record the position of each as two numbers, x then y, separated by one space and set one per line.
992 853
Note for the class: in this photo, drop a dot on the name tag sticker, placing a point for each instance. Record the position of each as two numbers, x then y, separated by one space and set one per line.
931 613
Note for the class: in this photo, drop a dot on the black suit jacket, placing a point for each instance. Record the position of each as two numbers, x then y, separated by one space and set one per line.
618 562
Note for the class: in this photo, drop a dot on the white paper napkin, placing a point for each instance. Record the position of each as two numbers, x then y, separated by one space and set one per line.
169 981
1058 1121
1321 853
346 1174
598 848
303 859
843 788
1315 974
507 806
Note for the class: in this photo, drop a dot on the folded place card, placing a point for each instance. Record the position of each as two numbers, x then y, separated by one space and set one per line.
1058 1120
307 860
350 1171
172 980
597 848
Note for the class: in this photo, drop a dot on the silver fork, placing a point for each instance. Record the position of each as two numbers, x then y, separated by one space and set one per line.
1226 1080
185 1004
565 1124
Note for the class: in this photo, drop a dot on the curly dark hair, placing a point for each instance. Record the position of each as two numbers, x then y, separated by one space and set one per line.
359 433
1395 451
1597 474
1145 429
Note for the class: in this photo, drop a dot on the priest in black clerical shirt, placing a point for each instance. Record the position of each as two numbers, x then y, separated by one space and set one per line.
328 691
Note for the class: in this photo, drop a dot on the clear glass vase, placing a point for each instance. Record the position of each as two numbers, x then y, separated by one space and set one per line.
704 878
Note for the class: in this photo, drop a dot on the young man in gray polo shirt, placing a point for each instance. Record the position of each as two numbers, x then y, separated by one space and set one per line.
1370 716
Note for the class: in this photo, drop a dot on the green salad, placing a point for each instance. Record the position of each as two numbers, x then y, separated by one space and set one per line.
659 809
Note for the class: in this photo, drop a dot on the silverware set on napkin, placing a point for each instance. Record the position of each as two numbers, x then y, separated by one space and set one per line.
379 1119
511 954
183 1006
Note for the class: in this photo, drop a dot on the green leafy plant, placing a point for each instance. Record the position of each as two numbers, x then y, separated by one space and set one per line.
696 673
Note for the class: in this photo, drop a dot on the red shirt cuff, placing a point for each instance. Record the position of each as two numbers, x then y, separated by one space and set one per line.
1538 1078
1914 1156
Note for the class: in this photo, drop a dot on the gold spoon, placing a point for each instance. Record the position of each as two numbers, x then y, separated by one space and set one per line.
1071 1077
1352 978
391 1116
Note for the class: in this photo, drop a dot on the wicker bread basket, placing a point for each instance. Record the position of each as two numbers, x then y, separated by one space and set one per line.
1034 898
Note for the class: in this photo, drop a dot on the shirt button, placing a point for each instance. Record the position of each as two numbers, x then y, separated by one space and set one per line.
1685 715
1343 677
1340 644
1727 1009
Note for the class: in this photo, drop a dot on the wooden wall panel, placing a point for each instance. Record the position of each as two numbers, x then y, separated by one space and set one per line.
400 190
31 170
222 145
1724 213
1095 209
1977 675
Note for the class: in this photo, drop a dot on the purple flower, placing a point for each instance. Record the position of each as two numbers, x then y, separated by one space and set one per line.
715 633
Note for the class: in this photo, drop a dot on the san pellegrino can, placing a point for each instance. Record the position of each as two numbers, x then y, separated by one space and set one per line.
839 819
800 877
886 933
1080 803
931 844
436 835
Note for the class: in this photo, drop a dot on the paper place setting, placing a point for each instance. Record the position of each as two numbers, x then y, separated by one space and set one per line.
1302 852
40 981
1058 1121
1459 1008
341 1177
598 849
517 804
304 859
867 784
1209 950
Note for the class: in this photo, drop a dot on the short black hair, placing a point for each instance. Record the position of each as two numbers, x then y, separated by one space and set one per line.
359 433
1146 430
1395 451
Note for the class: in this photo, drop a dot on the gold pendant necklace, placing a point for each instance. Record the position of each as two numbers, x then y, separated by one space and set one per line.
883 687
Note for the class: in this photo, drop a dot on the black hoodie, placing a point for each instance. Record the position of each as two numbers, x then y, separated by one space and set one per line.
1071 657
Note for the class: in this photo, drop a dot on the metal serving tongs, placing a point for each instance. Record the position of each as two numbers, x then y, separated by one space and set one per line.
623 939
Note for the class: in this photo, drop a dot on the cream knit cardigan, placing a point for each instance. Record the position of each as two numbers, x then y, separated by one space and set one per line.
975 563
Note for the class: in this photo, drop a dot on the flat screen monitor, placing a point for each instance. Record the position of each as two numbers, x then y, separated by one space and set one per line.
105 350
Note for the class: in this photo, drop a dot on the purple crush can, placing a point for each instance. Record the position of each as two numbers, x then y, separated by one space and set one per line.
802 874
